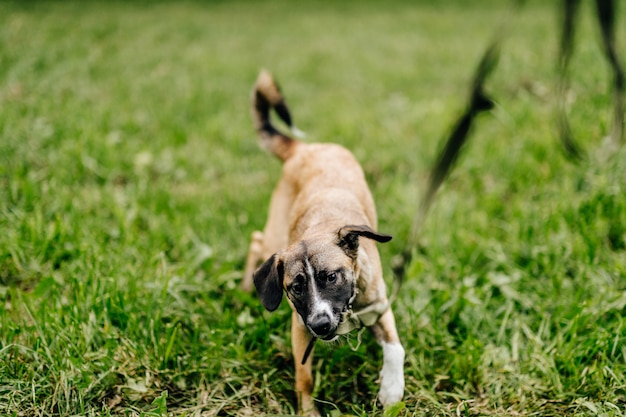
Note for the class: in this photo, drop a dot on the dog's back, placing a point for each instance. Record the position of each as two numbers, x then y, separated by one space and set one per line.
330 190
325 176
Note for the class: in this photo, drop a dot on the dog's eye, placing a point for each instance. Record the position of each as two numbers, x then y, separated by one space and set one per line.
297 287
331 277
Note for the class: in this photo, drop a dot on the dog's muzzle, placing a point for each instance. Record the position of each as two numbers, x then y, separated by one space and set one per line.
321 326
324 318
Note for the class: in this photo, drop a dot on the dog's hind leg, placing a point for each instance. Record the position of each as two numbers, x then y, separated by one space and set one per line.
255 256
392 372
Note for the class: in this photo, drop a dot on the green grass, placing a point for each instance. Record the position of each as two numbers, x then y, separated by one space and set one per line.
130 181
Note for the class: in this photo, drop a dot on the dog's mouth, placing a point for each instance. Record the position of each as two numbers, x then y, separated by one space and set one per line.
325 335
330 338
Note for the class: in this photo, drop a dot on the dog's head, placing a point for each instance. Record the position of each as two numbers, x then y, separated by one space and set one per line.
318 276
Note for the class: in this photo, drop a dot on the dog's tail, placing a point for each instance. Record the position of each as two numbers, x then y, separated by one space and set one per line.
266 96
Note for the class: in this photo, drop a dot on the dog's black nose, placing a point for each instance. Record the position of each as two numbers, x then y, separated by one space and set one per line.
320 325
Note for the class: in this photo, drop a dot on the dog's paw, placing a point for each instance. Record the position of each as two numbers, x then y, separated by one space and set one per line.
391 390
392 374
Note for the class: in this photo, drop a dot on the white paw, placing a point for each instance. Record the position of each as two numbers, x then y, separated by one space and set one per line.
392 374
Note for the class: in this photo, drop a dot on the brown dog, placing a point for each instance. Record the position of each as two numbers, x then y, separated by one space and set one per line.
319 210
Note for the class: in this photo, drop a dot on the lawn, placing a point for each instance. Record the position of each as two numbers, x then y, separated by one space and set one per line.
131 180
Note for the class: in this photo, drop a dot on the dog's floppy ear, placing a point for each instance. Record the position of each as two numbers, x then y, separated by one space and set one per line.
348 238
268 280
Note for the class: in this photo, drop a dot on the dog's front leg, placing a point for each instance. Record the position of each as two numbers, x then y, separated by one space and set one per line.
300 338
392 372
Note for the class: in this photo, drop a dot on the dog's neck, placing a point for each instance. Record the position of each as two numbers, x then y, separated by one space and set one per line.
354 320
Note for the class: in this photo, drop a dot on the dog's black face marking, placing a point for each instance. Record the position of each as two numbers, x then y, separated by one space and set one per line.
320 296
320 283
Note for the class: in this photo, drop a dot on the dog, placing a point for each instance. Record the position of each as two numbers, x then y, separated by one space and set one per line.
319 247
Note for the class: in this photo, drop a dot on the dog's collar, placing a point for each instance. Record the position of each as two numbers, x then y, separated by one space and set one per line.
354 320
368 316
